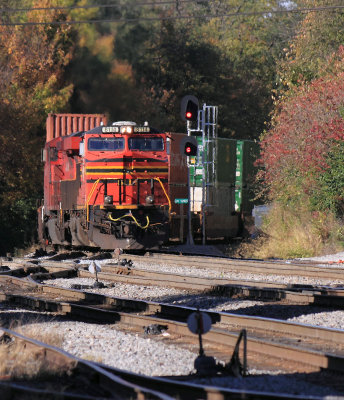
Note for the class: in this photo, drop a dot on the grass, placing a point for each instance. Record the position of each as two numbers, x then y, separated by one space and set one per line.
22 361
289 233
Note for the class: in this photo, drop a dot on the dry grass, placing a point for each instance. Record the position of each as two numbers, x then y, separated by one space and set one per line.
291 233
20 360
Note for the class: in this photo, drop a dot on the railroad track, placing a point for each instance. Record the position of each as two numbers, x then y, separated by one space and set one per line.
291 269
277 339
261 290
90 381
303 269
283 342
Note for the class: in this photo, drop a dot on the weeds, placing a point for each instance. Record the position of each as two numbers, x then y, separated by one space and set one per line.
289 233
21 360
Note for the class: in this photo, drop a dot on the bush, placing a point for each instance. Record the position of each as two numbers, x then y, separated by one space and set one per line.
298 150
291 232
328 193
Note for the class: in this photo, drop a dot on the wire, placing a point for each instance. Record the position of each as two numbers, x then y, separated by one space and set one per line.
179 17
14 10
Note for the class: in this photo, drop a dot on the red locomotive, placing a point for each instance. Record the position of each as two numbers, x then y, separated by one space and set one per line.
105 186
126 185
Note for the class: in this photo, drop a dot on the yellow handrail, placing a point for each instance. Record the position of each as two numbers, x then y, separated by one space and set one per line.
89 198
168 199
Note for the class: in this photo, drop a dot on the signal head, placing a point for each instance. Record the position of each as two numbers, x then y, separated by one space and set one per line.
189 108
189 146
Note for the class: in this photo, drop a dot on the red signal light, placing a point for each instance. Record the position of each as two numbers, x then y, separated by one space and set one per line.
189 108
190 149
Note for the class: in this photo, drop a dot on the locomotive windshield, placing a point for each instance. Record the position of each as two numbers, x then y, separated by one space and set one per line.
106 144
146 144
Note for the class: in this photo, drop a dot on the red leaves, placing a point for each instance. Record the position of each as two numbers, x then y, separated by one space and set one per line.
310 122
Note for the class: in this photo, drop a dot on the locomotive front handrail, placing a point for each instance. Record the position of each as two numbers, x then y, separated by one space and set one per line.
89 198
168 198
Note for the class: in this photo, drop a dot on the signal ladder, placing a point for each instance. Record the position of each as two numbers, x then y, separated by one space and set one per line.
202 198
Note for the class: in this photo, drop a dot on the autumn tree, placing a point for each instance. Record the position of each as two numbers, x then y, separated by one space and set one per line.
313 51
298 151
307 121
32 60
229 62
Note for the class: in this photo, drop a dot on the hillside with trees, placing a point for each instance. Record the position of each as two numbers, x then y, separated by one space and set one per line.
267 69
302 152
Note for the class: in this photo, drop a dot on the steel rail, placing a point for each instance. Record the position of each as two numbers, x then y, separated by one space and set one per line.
253 289
203 263
182 312
11 390
299 295
251 266
193 391
217 336
106 380
127 384
248 289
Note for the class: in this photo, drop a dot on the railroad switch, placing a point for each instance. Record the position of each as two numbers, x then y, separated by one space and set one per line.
200 323
94 268
235 367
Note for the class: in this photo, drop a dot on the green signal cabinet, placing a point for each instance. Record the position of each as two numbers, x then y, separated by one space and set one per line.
247 153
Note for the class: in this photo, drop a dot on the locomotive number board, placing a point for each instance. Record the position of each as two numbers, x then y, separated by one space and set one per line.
117 129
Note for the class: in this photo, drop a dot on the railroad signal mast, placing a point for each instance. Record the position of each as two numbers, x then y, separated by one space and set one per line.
204 153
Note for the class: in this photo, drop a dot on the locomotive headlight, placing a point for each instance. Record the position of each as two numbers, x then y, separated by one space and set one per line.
108 199
126 129
149 199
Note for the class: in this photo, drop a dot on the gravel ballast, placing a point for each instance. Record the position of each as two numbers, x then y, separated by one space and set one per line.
150 355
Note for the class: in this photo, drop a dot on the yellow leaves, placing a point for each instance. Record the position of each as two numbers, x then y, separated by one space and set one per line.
50 98
123 69
59 100
84 14
104 47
